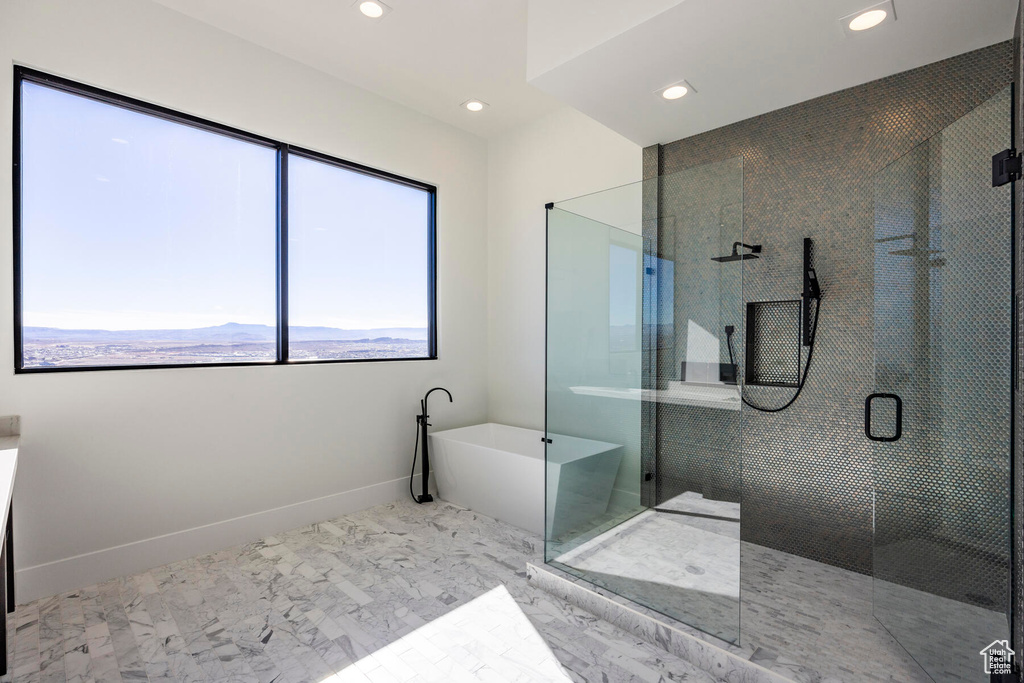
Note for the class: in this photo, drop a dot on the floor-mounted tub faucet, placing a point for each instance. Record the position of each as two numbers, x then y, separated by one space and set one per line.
421 429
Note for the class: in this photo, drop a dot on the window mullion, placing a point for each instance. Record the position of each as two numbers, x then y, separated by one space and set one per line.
282 253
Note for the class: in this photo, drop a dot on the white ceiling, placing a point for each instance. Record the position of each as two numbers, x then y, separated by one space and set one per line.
559 30
606 57
429 55
744 57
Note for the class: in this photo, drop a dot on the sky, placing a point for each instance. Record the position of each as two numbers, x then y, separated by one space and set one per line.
134 222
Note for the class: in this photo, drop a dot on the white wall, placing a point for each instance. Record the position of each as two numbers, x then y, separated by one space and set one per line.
113 458
561 156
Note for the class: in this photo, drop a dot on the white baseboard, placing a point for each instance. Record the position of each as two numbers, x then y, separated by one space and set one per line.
52 578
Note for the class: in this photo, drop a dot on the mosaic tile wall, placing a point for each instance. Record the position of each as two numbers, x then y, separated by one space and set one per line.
704 221
809 172
1018 450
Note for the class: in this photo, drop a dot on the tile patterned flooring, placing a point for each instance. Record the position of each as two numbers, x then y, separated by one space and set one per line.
398 592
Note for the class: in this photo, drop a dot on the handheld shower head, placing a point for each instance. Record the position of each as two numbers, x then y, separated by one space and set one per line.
755 249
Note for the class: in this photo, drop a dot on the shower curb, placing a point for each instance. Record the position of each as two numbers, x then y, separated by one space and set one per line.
725 662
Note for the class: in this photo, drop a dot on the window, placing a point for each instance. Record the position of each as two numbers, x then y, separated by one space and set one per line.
357 276
148 238
659 287
143 241
623 298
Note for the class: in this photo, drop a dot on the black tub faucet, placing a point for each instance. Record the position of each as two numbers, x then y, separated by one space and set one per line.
421 419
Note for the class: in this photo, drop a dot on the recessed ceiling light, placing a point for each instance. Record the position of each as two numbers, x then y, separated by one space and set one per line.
869 17
675 91
474 105
374 9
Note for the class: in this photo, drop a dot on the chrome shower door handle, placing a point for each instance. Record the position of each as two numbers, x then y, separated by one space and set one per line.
899 418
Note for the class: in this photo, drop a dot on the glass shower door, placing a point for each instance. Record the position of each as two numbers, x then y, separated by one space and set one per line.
939 422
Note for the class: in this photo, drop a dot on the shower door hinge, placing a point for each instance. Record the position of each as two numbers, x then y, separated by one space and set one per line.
1006 166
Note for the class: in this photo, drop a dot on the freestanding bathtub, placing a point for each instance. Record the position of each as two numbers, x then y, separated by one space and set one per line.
498 471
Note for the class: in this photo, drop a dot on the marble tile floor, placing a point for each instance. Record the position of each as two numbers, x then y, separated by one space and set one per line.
397 592
945 636
490 630
809 611
821 617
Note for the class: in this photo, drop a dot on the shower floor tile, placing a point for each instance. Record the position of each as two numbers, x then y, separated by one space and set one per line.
680 565
794 612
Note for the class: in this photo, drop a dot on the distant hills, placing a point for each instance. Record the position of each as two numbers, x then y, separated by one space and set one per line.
229 332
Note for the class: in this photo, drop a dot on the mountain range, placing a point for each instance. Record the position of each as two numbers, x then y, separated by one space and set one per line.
229 332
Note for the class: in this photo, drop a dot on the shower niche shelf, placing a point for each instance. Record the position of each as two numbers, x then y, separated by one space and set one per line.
773 343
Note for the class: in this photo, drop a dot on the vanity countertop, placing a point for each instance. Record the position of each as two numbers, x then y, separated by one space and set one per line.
8 468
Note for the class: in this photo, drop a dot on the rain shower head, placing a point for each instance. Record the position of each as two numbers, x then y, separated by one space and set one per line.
734 257
755 249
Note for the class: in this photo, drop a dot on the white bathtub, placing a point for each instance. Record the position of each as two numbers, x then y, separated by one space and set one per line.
498 471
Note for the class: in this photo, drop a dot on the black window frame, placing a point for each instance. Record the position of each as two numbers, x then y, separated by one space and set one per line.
283 150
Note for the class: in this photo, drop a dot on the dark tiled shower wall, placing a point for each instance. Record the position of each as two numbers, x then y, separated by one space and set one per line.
1018 447
808 171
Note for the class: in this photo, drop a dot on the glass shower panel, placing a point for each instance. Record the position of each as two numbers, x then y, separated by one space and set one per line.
942 317
697 247
593 379
639 363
